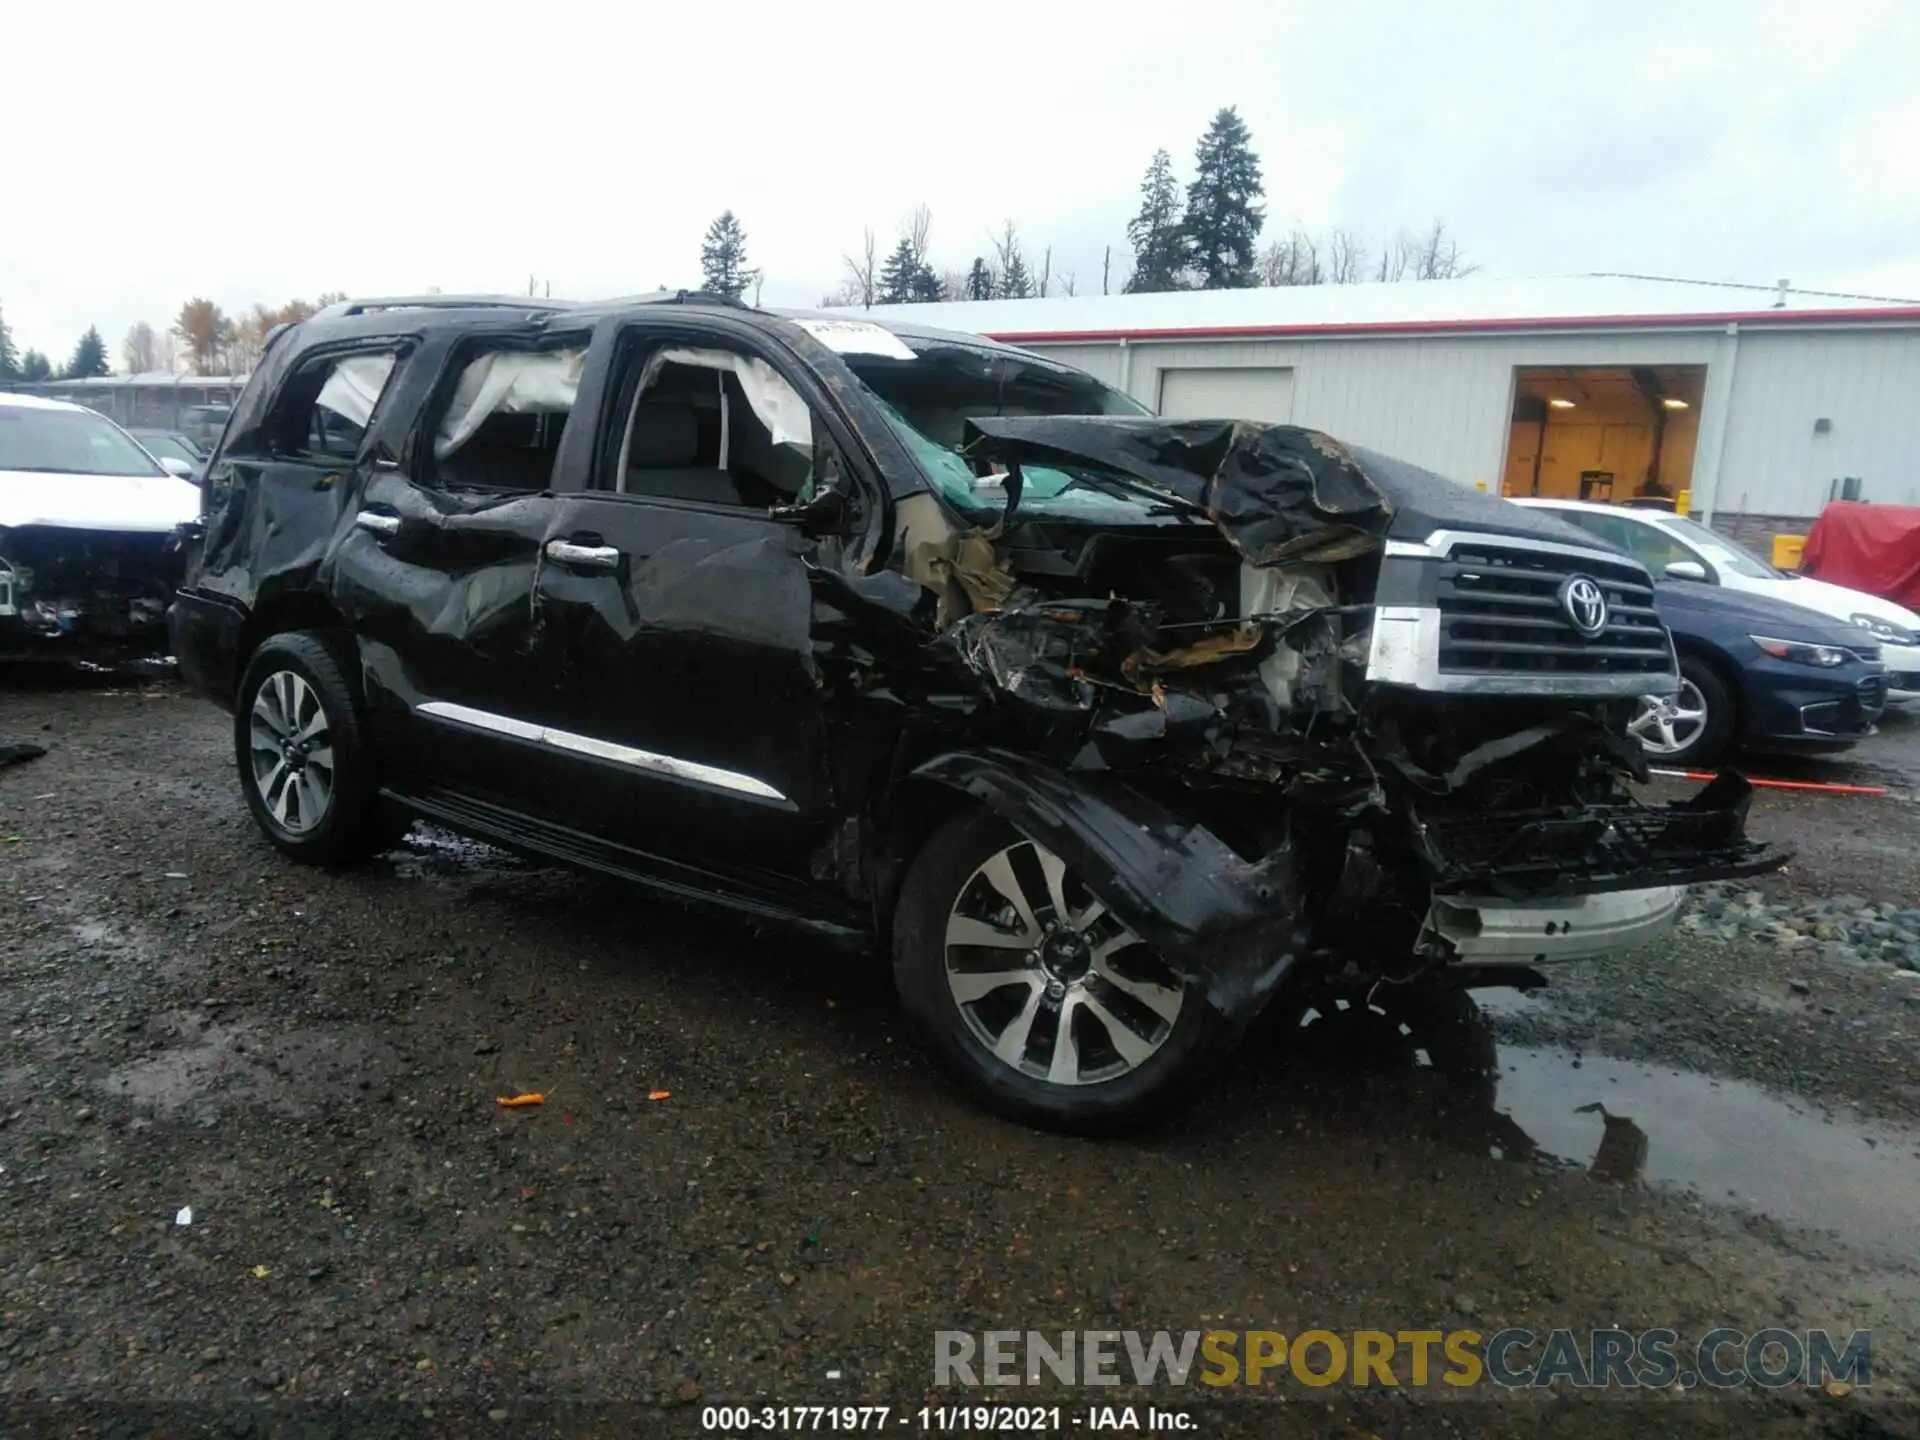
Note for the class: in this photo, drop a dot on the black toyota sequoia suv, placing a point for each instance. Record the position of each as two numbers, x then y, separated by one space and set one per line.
1106 728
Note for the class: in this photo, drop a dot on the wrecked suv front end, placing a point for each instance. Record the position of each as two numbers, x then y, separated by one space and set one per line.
1383 737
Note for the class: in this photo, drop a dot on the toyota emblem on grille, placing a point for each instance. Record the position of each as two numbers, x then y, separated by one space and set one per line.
1586 607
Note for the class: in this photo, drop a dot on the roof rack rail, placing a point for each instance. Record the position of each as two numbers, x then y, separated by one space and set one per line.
441 302
704 297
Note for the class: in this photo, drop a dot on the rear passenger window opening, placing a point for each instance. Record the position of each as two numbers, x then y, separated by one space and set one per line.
498 425
714 426
326 407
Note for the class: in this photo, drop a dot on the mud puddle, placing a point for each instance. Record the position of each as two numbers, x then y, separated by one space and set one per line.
1727 1141
429 851
205 1064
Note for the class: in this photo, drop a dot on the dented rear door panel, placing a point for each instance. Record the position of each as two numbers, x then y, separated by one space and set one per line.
437 586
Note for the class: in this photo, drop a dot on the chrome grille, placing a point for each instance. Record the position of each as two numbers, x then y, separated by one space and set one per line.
1500 613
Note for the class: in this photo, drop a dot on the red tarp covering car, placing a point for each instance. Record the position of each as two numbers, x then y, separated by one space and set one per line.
1875 548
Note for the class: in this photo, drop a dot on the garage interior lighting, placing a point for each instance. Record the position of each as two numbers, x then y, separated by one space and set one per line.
1674 402
1559 404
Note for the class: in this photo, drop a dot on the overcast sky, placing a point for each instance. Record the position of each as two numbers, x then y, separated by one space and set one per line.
257 152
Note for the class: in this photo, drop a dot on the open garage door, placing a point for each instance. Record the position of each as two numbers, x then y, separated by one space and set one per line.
1611 433
1228 393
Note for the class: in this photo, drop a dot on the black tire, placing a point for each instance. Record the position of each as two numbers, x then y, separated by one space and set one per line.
352 823
1173 1075
1709 745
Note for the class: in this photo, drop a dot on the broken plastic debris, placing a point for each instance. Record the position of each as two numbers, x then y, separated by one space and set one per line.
260 1272
659 1095
532 1097
185 1217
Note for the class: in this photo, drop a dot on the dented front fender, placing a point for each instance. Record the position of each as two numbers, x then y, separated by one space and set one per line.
1232 926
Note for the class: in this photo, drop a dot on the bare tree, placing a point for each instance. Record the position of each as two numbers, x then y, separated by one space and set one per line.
1294 260
953 284
1397 258
1046 272
916 229
1436 255
1346 257
1066 282
141 349
1106 268
863 272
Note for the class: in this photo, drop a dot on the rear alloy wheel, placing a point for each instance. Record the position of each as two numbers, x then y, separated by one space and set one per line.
1034 995
291 747
304 765
1694 726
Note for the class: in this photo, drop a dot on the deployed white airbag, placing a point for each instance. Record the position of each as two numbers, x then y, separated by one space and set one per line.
510 383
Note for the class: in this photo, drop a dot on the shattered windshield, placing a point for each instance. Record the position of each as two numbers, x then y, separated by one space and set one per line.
929 399
68 442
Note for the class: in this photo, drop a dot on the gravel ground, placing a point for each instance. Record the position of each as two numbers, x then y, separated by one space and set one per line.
309 1063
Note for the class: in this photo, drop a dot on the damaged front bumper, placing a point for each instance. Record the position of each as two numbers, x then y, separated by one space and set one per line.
1595 849
1486 930
85 595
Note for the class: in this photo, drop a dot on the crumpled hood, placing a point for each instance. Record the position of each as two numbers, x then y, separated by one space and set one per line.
130 503
1280 493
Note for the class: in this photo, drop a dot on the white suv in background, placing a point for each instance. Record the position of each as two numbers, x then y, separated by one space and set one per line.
1676 548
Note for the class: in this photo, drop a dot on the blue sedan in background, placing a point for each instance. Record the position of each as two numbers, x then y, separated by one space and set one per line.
1760 673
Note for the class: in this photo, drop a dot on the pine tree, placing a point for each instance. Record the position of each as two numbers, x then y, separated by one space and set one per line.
1223 222
723 258
9 357
1015 282
979 281
35 366
1159 244
89 357
926 287
899 275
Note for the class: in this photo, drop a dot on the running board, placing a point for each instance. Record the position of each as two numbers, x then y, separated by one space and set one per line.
540 840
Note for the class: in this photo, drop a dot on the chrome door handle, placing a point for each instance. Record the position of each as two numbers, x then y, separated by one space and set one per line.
379 524
598 557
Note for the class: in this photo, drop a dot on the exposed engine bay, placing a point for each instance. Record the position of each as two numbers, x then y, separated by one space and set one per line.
84 593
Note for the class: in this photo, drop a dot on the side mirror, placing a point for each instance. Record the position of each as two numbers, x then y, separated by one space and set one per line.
179 469
828 510
1686 570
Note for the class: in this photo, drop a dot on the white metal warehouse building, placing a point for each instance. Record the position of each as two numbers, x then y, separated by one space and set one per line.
1760 403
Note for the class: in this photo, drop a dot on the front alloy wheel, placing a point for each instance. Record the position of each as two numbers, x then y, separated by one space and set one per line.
291 752
1667 726
1035 995
1047 980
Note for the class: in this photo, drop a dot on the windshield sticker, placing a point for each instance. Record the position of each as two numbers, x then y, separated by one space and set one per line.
856 337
